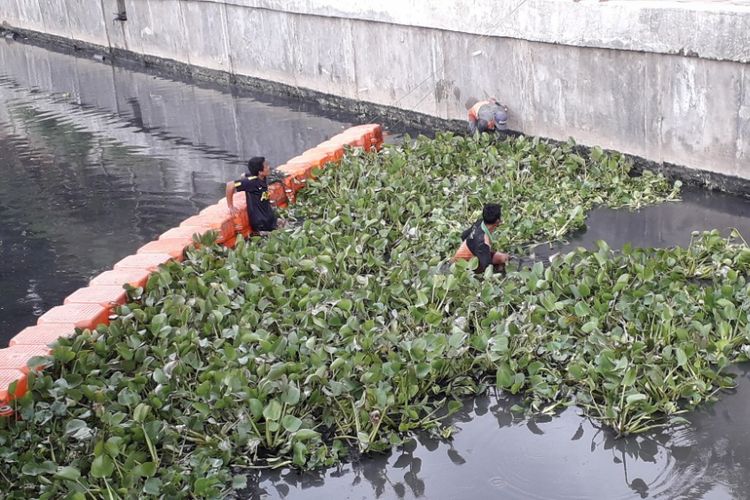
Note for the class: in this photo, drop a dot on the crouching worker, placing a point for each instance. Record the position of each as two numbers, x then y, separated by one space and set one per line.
259 210
477 241
487 116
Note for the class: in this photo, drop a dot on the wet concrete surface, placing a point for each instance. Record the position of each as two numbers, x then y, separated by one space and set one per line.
97 160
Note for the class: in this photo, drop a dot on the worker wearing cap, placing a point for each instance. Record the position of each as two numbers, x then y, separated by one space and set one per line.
488 116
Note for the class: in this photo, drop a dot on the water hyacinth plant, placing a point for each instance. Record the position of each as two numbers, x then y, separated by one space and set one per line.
344 333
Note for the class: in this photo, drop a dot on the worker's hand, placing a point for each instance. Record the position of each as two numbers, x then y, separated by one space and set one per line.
233 211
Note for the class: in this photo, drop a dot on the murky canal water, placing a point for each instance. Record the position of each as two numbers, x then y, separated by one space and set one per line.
96 161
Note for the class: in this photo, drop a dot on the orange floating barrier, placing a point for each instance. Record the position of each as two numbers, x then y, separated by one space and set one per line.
174 247
133 277
335 151
182 233
277 194
239 200
43 335
7 378
80 315
220 209
17 357
104 295
345 139
223 225
316 156
150 261
241 223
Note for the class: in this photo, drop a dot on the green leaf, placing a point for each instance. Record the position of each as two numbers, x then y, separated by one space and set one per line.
239 481
629 378
306 435
681 356
634 398
291 395
272 411
102 466
141 412
68 473
291 423
152 486
504 377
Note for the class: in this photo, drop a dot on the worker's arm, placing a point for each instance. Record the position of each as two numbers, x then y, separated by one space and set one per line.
230 190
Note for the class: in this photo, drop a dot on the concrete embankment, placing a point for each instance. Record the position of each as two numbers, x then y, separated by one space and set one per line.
91 306
665 81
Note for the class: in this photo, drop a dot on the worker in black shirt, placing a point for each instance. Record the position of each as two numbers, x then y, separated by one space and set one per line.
477 241
259 210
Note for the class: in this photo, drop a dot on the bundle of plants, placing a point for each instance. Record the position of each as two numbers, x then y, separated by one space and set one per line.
341 335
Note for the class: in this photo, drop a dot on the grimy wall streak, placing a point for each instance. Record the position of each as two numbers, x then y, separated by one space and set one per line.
668 81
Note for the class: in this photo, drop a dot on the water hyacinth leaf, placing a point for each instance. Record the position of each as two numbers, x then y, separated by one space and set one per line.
36 469
239 481
291 423
102 466
681 356
634 398
68 473
152 486
306 435
291 395
630 377
272 411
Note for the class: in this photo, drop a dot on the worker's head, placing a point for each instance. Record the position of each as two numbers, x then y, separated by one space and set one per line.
491 215
258 166
501 118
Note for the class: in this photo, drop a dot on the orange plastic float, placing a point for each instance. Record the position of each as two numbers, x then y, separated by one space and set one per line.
17 357
43 335
133 277
334 151
150 261
277 193
7 379
80 315
222 224
175 247
104 295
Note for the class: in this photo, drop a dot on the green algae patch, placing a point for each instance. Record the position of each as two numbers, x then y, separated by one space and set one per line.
341 335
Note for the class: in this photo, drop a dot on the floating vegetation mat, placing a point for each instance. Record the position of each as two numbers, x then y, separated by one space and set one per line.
341 335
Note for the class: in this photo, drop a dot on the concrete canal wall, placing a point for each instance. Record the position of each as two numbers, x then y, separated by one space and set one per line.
667 81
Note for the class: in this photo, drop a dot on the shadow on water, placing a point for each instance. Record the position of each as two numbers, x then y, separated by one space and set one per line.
97 160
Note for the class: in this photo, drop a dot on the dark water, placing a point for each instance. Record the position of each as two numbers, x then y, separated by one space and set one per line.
96 161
